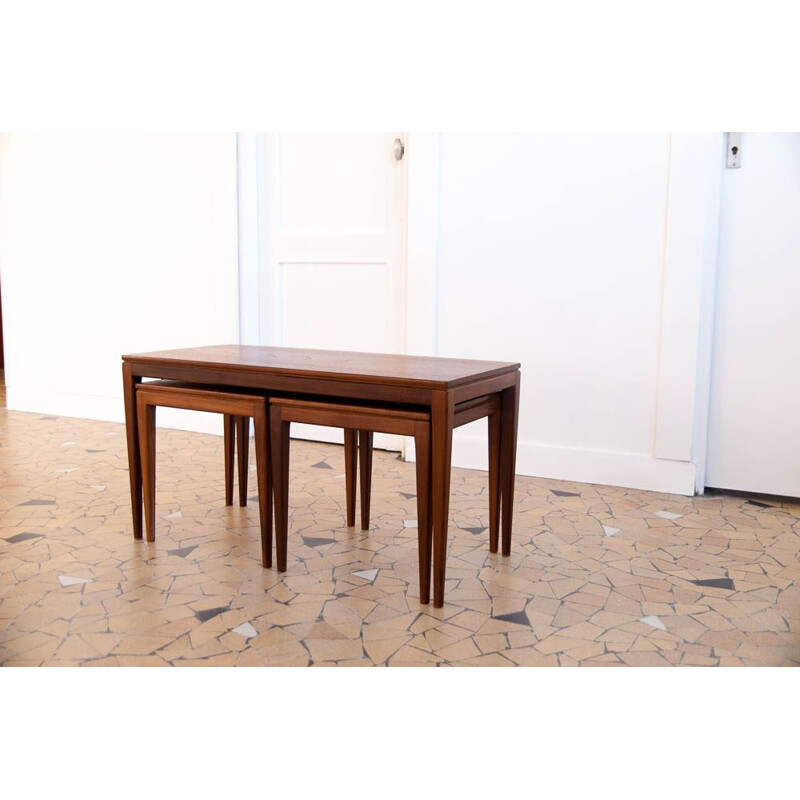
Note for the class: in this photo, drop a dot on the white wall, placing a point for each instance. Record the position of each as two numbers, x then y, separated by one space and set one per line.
584 257
112 244
588 258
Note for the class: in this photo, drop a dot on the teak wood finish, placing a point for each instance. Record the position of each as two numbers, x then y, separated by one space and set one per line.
236 408
381 419
236 439
358 444
236 428
236 433
366 419
469 411
436 384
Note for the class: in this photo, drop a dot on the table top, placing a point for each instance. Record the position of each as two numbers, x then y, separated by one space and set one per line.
401 370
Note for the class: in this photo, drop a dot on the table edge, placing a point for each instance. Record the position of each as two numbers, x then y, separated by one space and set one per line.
322 375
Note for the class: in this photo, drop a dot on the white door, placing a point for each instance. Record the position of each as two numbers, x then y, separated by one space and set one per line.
333 235
754 419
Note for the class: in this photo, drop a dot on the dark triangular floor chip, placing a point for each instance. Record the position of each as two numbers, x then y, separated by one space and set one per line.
564 494
518 617
182 551
23 537
209 613
38 503
407 495
253 499
321 465
312 541
477 531
758 503
716 583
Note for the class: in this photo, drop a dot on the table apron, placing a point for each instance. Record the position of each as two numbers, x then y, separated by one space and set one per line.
469 391
269 382
285 383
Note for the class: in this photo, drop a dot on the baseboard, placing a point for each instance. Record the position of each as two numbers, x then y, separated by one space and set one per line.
112 409
105 409
470 452
629 470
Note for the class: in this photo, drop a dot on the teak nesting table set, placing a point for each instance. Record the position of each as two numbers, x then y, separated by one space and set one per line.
361 392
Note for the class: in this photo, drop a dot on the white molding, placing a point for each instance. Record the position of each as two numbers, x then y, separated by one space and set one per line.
105 409
716 161
690 247
422 245
629 470
268 177
247 213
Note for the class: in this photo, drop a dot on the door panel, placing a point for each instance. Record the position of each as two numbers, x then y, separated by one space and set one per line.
348 323
334 182
754 424
333 276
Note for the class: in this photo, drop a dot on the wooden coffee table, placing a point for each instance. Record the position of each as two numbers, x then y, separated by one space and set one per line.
437 384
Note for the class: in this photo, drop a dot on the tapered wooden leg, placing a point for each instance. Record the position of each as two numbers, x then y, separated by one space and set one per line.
494 481
442 412
422 444
365 459
147 447
350 445
279 444
243 448
129 383
228 440
509 412
264 479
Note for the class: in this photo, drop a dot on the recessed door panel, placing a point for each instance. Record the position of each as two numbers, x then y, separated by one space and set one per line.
332 306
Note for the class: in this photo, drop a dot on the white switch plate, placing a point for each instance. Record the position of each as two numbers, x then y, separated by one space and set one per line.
733 143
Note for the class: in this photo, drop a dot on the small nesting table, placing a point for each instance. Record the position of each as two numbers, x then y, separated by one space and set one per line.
438 385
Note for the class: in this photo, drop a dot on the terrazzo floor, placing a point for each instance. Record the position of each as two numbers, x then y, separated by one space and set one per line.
598 575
